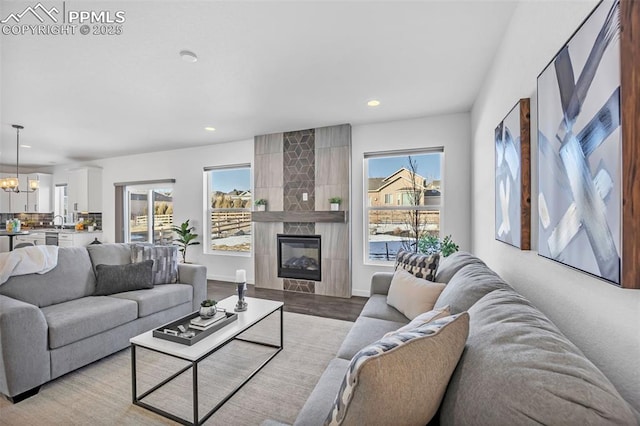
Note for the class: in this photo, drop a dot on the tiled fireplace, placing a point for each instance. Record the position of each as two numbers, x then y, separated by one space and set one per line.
297 172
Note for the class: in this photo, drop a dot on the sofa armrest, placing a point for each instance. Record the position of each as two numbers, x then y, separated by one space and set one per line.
380 282
24 348
196 276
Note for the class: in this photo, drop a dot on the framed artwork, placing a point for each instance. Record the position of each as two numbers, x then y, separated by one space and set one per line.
513 178
579 149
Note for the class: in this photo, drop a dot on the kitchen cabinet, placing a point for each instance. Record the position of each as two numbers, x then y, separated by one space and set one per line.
35 238
5 199
84 189
19 199
40 201
77 239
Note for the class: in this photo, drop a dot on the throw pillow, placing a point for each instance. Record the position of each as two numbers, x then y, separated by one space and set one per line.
418 264
411 295
421 319
113 279
403 376
165 261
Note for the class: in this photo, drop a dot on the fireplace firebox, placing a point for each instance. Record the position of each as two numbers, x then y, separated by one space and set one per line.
299 257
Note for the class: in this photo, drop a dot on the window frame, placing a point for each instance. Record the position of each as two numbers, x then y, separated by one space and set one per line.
149 187
208 210
399 207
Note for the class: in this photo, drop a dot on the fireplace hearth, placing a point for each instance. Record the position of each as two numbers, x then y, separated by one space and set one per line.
299 257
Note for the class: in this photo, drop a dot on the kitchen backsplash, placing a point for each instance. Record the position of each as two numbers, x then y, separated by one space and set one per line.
45 220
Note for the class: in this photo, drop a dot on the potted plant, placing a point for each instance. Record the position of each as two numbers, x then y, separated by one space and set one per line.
208 308
186 238
261 204
335 203
430 244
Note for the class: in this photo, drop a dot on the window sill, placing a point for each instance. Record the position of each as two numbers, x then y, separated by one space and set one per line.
228 253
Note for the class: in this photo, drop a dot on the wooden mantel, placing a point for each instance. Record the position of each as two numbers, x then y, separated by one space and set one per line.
339 216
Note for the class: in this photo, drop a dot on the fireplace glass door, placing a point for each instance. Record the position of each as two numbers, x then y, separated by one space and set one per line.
299 257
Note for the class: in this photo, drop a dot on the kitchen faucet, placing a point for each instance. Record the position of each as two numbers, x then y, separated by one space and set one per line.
54 221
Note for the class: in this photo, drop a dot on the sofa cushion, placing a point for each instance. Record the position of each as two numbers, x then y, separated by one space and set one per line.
113 279
72 278
519 369
468 286
364 332
377 307
418 264
77 319
412 295
158 298
322 397
165 261
448 266
109 254
403 376
421 319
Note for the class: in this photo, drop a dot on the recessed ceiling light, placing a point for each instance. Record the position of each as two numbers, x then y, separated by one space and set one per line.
210 129
373 103
188 56
25 146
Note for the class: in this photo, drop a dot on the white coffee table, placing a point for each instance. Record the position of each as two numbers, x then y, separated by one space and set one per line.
257 310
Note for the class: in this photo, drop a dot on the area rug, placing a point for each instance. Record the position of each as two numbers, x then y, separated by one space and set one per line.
100 393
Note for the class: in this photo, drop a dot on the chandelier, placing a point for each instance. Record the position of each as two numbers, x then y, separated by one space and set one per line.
12 184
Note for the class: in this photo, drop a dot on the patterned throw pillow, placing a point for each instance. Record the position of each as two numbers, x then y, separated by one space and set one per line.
418 264
402 376
165 261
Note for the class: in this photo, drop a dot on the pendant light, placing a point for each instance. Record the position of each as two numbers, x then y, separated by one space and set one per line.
12 184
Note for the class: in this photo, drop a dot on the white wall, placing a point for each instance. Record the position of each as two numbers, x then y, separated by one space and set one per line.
449 131
186 167
601 319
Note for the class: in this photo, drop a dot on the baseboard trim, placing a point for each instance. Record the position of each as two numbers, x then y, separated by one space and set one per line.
360 293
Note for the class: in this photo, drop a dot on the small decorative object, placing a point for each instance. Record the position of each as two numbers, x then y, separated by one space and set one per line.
208 308
241 282
430 244
13 225
187 237
335 203
261 204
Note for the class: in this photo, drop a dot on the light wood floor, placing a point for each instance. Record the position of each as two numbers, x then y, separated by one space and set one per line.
301 303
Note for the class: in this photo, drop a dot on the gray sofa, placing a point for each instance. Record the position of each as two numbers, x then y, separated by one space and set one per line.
51 324
517 368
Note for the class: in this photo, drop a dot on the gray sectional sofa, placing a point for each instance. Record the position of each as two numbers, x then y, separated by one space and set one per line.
51 324
517 368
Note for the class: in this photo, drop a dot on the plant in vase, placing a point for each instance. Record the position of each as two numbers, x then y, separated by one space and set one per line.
186 238
208 308
430 244
261 204
335 203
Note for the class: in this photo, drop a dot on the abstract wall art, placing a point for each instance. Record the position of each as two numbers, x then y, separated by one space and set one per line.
513 182
579 149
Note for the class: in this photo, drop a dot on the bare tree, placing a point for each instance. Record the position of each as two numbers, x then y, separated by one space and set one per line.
414 220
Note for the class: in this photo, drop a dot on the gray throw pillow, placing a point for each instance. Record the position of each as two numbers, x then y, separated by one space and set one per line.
120 278
165 265
418 264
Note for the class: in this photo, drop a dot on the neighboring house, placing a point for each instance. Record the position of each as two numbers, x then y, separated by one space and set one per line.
395 190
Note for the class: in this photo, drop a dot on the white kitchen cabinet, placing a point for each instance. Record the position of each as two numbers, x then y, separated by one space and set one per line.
35 238
5 199
84 189
19 199
77 239
40 201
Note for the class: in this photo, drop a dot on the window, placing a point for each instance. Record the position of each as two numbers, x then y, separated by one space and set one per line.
413 180
148 209
229 203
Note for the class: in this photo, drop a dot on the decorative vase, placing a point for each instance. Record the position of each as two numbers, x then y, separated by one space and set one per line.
261 207
207 312
335 206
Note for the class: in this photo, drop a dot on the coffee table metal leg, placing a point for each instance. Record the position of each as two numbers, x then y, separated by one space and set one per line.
194 365
134 391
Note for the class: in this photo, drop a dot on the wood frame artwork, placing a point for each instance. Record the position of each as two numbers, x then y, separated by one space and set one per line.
513 177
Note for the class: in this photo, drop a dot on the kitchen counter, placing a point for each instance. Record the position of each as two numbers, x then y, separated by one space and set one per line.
63 231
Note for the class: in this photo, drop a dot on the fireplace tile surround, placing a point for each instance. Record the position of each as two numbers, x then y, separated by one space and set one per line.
286 165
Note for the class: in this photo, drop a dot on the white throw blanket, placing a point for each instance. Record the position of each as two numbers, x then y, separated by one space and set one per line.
28 260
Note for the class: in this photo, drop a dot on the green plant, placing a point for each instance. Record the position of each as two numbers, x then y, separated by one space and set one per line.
186 237
260 202
207 303
335 200
430 244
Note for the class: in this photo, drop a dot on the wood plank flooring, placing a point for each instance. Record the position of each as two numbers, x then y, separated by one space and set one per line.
301 303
